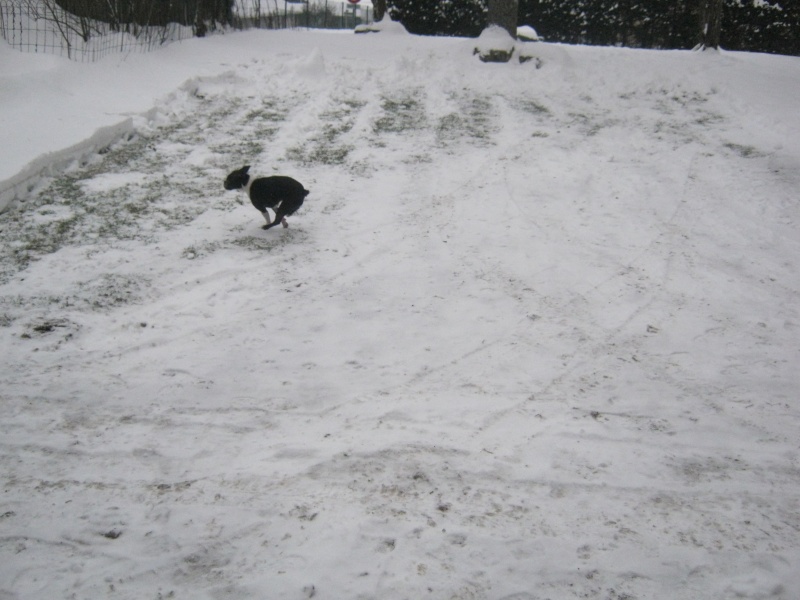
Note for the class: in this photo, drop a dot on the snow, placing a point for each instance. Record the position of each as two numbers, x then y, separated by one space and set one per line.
494 40
387 25
532 335
527 33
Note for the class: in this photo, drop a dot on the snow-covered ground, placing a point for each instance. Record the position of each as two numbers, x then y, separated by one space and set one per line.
534 334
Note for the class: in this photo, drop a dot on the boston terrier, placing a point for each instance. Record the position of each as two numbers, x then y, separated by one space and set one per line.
282 194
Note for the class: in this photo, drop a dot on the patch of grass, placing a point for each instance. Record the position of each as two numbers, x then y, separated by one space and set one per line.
200 250
708 118
122 155
402 113
68 212
450 127
260 125
326 147
684 98
418 159
24 238
320 154
590 125
110 291
257 243
217 111
46 326
272 110
271 241
744 151
474 121
530 106
106 292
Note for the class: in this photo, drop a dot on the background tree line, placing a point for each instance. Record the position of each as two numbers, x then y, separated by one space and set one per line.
121 14
753 25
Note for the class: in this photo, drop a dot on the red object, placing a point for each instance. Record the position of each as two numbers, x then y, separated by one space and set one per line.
354 1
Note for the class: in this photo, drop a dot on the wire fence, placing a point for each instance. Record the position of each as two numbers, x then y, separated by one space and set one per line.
43 26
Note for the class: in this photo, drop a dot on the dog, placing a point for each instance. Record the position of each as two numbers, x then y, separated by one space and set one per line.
282 194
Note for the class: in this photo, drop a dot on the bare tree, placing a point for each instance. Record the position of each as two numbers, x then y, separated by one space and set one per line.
504 13
378 9
710 13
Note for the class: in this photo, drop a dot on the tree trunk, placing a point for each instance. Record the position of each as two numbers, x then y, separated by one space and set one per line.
378 10
505 13
496 43
710 24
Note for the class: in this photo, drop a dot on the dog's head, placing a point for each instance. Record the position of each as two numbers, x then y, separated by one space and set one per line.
238 179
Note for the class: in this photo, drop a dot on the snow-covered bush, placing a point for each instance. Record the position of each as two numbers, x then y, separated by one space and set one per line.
495 44
386 25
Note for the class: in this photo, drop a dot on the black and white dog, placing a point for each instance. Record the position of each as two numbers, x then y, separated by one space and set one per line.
282 194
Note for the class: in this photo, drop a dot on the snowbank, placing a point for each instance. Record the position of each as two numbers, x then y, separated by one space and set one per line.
21 185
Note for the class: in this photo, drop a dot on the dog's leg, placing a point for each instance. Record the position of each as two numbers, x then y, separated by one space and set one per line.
271 224
280 216
282 221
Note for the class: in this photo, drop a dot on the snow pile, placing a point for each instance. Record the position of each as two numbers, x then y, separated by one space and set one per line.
313 65
527 33
386 25
532 335
494 44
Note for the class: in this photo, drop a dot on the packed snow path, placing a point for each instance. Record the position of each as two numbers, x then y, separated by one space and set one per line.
533 335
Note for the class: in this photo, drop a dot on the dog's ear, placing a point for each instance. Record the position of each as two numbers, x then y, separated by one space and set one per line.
245 168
